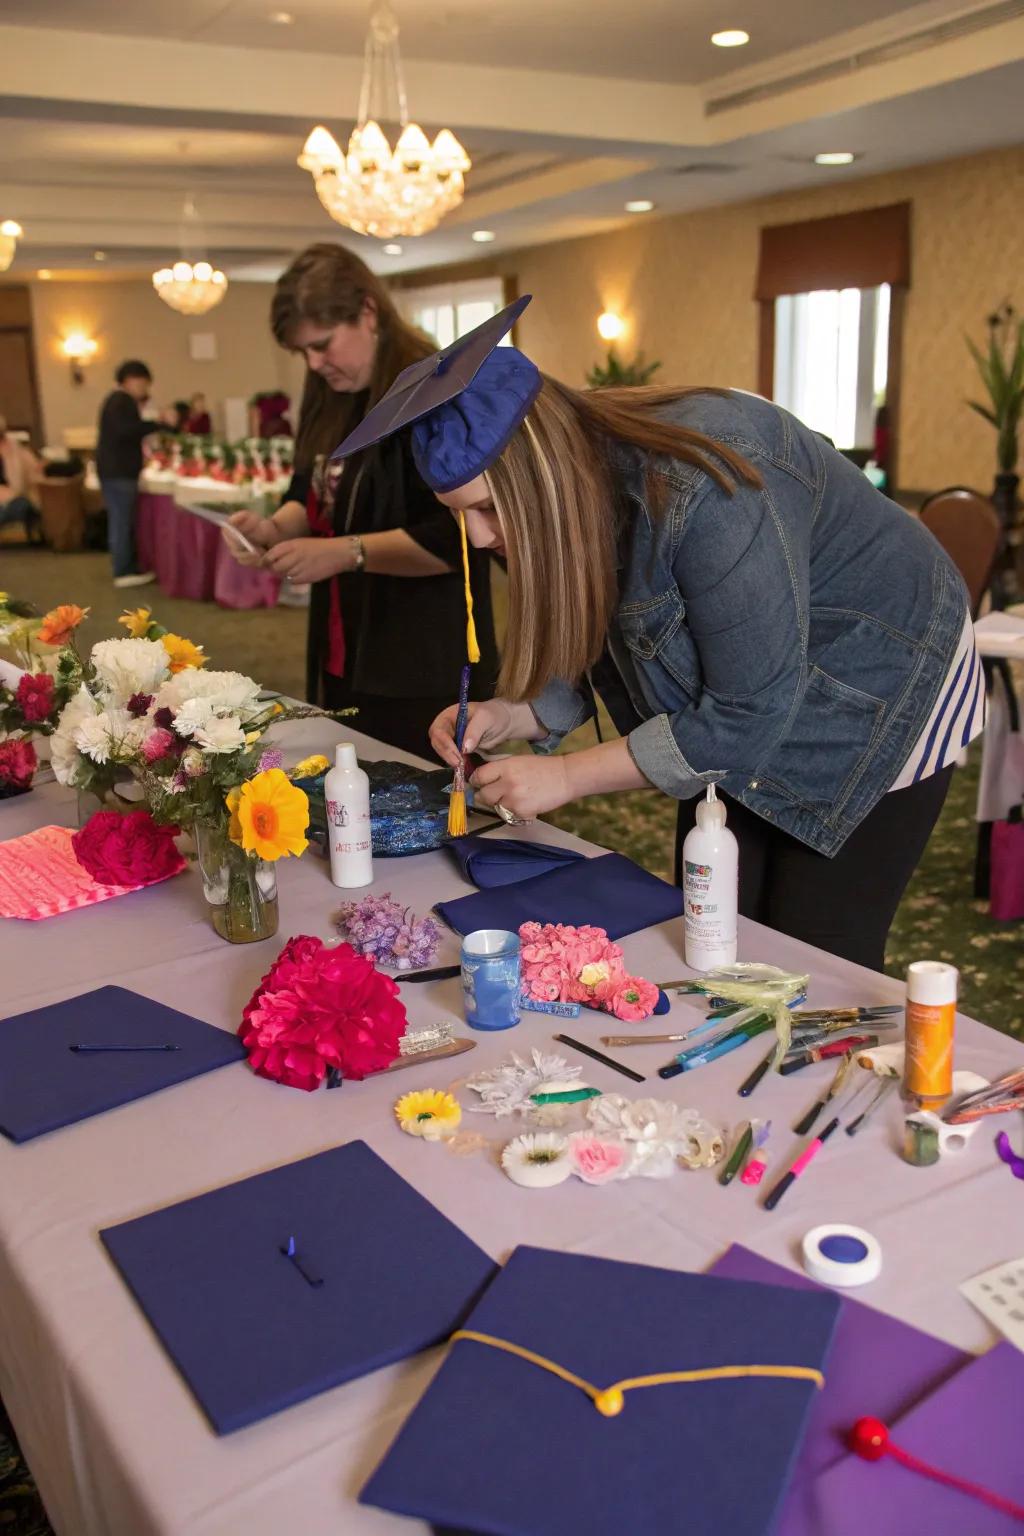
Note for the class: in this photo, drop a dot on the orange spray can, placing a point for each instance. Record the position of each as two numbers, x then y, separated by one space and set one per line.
931 1016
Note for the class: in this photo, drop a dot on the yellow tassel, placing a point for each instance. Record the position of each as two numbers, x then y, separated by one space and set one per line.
457 823
471 641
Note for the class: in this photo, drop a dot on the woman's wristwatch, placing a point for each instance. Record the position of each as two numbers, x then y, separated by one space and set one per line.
358 552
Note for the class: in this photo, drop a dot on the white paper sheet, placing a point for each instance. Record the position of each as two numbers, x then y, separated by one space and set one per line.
998 1295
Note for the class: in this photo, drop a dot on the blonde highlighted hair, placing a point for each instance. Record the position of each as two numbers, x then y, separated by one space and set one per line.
555 493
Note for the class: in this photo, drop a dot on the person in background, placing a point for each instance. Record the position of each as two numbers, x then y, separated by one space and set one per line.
778 628
387 629
198 417
20 473
177 415
119 464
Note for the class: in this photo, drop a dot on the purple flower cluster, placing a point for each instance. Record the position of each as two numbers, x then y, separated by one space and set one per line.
273 757
389 934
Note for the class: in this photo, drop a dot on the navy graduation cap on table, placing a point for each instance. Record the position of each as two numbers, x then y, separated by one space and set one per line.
270 1290
560 1407
74 1059
463 403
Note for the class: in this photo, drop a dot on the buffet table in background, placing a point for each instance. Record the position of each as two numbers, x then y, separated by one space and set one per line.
191 559
114 1436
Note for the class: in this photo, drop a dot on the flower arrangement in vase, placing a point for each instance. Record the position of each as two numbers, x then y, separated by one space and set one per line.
33 692
191 739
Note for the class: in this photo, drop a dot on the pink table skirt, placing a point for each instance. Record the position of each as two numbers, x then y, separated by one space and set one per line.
191 559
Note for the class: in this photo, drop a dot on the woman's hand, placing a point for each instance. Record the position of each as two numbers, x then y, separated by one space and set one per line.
491 723
313 559
261 531
526 786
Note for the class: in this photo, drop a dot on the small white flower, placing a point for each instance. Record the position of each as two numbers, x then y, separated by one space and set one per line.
125 667
221 735
192 763
192 716
537 1160
224 692
93 738
64 754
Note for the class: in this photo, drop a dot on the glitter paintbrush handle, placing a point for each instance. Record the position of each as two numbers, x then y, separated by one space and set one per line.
462 717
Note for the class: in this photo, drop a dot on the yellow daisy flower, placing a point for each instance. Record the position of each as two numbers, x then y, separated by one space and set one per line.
428 1113
310 767
137 621
182 653
272 815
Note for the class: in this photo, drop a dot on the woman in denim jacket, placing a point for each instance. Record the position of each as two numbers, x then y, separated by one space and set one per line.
768 622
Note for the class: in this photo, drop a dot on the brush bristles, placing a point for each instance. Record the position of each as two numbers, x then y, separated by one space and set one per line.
457 823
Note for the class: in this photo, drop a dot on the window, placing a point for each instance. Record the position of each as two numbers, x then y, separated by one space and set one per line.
449 310
831 360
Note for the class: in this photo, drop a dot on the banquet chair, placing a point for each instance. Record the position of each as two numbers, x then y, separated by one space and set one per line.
967 526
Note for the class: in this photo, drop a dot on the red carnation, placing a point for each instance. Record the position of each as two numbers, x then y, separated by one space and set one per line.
126 848
320 1008
34 697
18 763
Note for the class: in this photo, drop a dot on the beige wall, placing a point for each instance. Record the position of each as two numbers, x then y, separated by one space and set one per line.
127 319
685 283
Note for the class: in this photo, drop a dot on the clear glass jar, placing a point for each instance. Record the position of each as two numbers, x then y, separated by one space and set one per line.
240 891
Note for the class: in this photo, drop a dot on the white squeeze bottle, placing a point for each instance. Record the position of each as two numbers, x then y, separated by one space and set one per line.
347 802
710 888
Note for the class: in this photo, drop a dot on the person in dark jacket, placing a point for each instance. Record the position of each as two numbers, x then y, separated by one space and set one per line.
119 464
387 630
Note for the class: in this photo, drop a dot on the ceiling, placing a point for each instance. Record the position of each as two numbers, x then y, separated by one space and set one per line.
569 108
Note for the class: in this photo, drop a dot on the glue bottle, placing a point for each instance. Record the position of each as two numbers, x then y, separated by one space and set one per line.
347 803
710 888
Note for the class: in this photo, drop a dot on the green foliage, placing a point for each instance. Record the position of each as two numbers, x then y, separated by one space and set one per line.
614 374
1001 368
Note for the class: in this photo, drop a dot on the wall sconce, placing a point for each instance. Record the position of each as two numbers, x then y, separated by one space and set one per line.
610 326
79 350
10 234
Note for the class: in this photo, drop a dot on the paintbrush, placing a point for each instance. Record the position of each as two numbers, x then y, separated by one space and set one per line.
457 823
853 1015
453 1048
841 1074
886 1087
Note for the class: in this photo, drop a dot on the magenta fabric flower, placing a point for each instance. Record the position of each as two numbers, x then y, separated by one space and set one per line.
596 1160
158 744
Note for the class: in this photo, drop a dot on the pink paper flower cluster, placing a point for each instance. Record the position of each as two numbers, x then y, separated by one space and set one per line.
581 965
319 1010
389 933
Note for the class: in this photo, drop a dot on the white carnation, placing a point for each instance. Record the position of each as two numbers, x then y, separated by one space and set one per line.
192 716
93 738
224 735
125 667
224 692
64 755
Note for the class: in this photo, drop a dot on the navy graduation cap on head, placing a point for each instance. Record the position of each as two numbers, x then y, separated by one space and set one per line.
463 403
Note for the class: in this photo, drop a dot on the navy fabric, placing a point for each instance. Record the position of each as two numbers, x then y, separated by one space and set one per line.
467 399
490 861
610 892
501 1447
247 1330
44 1085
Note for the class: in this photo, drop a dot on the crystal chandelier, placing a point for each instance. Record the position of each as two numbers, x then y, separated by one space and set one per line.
192 288
373 189
10 234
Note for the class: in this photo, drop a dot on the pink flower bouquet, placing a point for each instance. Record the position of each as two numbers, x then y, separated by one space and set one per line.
581 965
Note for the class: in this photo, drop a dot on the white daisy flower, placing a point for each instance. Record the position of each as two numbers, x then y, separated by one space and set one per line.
537 1160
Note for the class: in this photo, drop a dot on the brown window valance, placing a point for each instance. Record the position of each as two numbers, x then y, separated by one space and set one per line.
850 250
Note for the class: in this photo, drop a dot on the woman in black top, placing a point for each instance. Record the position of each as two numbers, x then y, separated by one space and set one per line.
387 629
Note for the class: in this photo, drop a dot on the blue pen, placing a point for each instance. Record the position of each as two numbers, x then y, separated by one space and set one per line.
693 1059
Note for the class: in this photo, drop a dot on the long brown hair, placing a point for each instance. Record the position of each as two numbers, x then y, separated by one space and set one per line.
554 491
329 286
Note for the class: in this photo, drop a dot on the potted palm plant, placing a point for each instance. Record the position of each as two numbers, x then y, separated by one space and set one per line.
615 374
1001 367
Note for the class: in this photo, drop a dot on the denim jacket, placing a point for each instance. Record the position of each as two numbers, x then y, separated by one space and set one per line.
786 643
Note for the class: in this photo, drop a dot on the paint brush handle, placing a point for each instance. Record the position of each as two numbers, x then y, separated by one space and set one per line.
462 718
806 1157
748 1085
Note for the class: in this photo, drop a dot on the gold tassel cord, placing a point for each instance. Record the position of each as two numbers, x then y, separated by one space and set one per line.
471 640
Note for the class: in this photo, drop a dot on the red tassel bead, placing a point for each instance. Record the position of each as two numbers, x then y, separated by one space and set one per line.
869 1438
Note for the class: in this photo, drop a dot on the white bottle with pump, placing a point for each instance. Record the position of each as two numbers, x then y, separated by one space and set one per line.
347 803
710 888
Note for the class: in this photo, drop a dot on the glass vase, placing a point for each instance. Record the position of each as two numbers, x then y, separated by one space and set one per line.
124 794
241 892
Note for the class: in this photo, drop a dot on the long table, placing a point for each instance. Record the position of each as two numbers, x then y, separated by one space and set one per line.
191 559
115 1439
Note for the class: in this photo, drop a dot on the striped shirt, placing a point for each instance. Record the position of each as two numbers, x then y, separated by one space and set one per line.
958 716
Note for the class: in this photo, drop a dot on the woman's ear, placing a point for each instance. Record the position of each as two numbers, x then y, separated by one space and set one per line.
371 313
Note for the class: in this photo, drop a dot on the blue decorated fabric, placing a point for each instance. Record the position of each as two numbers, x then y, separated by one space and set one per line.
610 892
501 1447
249 1334
490 861
44 1085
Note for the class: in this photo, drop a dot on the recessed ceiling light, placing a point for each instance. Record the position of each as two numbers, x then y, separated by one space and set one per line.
281 18
484 236
392 250
44 274
835 157
640 205
733 37
99 255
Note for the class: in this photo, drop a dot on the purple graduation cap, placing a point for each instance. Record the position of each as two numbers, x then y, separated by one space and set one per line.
463 404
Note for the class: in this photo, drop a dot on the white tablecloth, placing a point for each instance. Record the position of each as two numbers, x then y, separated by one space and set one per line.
112 1433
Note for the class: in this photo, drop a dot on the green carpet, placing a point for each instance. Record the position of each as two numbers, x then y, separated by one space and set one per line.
938 918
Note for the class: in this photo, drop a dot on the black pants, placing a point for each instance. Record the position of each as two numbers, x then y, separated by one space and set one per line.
402 723
845 904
